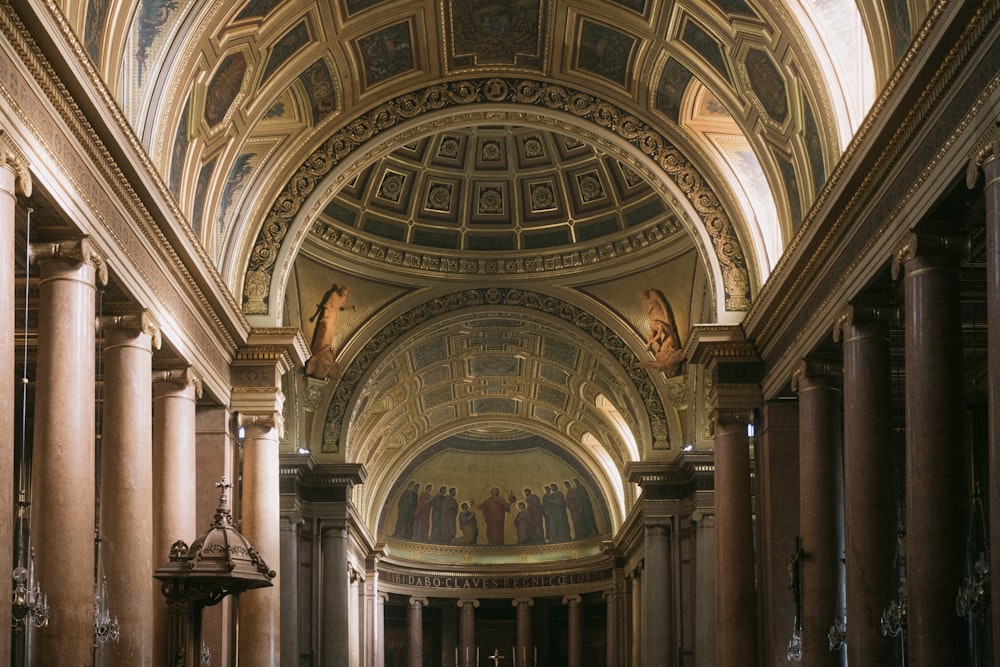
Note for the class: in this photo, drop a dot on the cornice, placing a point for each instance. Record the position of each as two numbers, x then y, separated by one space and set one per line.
858 177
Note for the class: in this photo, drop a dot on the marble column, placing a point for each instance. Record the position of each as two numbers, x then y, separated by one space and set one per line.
374 624
610 630
415 632
778 491
260 610
14 175
657 595
616 598
575 631
869 493
467 632
937 484
63 458
334 613
735 594
355 586
257 402
704 575
174 510
216 455
290 651
820 517
988 159
126 465
636 616
525 646
381 599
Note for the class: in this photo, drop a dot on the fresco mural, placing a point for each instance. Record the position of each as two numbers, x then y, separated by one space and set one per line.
606 52
531 493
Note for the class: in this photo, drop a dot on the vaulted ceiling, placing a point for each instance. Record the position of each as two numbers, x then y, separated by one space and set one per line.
497 183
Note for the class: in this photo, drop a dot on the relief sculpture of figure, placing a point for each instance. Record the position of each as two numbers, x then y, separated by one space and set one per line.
663 341
322 364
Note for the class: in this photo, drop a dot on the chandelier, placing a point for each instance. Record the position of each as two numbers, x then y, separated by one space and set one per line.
838 634
29 606
894 616
105 629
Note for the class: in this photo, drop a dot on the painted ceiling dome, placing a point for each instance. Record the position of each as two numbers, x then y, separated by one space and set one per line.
502 188
523 208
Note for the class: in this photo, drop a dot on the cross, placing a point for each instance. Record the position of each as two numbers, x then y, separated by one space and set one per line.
223 484
496 657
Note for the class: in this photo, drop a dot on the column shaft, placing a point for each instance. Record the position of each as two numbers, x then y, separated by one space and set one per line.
575 631
174 489
62 493
8 325
260 610
778 484
657 598
991 169
290 590
467 633
525 646
415 633
937 484
819 514
736 600
334 614
127 491
636 617
869 501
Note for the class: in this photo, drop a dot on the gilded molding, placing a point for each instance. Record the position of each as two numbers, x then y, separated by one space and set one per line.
82 250
540 262
877 175
134 323
603 113
11 156
104 170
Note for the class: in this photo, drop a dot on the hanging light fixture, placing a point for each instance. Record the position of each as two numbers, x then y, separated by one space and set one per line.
106 629
29 606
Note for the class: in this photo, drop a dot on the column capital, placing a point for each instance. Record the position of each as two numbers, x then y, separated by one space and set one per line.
572 599
263 420
857 313
291 520
140 322
12 157
464 602
182 377
986 150
914 245
517 602
814 370
418 602
81 250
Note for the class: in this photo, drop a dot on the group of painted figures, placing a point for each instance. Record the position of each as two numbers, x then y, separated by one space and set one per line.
440 519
